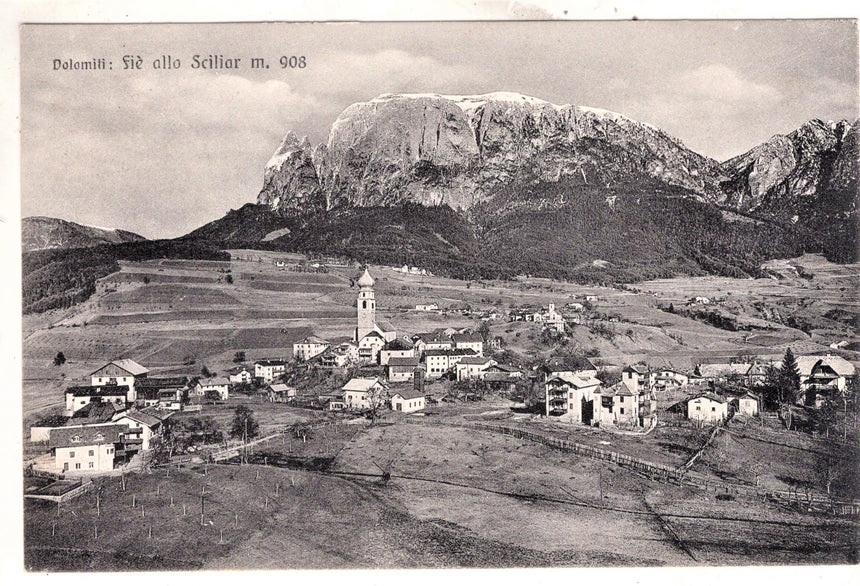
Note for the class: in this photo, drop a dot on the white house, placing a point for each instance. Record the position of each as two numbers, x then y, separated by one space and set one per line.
407 401
280 393
217 384
402 369
570 396
363 393
553 319
474 342
473 367
707 408
636 377
663 379
427 307
122 372
240 375
269 370
86 449
309 347
748 404
80 396
620 406
399 348
143 427
823 375
370 346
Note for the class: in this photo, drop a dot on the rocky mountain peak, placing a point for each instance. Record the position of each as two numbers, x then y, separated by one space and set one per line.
460 149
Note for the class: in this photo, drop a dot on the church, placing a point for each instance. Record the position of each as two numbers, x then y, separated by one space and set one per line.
368 335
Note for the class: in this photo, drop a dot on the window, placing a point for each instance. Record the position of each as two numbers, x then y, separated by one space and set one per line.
698 408
92 453
621 399
77 465
71 454
110 450
92 465
713 408
621 410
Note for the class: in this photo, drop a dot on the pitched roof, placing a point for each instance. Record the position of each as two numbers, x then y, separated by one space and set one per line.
162 382
723 369
128 365
711 396
360 384
271 362
403 361
157 412
103 391
467 338
569 363
97 412
281 388
215 381
408 394
475 360
805 364
86 435
312 340
399 344
141 417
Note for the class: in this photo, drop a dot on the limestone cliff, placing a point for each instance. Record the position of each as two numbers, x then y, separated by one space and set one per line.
457 150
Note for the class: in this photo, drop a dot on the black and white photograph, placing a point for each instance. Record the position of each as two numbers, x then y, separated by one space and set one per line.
511 290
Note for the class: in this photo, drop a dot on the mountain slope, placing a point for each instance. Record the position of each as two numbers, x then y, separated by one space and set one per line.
41 233
807 177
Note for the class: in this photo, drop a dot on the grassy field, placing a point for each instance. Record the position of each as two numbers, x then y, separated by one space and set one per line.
456 498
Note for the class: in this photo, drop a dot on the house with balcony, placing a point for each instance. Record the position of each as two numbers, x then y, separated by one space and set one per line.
570 396
269 369
822 377
620 406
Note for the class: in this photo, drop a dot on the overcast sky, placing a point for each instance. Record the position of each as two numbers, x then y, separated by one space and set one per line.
163 152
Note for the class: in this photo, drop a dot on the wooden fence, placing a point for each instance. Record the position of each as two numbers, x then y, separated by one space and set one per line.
811 502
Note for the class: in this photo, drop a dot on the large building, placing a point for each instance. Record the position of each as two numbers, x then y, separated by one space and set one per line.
368 335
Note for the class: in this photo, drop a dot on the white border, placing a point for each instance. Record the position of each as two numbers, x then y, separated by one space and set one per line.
15 12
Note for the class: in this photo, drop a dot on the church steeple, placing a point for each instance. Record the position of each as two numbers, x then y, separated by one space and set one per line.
366 306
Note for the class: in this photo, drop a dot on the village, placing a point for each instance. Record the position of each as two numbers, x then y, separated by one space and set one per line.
125 418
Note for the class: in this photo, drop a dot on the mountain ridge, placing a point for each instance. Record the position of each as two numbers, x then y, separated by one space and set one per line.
46 233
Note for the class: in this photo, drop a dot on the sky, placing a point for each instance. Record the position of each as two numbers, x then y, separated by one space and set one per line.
161 152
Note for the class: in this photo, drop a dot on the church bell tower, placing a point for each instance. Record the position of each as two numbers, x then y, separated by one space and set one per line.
366 306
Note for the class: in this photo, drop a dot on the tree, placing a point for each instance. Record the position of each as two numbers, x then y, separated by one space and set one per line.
59 359
239 356
484 330
244 425
205 372
229 279
788 379
375 399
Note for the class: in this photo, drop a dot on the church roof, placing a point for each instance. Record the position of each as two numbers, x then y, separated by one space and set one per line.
365 280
